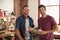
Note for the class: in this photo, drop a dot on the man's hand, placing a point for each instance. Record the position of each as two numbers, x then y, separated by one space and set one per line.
40 32
29 29
43 32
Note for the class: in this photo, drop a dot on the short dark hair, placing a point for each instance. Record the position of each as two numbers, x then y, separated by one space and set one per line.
25 6
41 6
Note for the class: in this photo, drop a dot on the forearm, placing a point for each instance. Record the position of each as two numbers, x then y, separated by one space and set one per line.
18 34
55 28
50 31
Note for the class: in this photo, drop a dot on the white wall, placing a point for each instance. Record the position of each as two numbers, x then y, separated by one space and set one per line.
33 7
6 5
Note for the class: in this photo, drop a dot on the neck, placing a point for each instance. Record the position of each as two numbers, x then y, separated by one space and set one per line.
26 16
44 16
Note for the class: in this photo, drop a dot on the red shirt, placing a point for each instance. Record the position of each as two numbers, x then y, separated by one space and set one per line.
46 24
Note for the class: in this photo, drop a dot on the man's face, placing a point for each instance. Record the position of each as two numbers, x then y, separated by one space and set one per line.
42 10
26 10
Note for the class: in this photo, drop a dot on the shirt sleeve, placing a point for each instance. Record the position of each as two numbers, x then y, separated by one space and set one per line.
32 23
53 22
17 23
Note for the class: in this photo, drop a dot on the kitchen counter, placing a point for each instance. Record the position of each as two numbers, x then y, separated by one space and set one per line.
56 35
6 33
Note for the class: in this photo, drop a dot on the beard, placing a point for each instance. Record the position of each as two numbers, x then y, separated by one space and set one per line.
42 14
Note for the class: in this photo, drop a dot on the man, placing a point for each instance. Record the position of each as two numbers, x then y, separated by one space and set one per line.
46 25
24 26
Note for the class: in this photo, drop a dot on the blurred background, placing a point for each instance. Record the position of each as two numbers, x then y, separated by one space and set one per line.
11 9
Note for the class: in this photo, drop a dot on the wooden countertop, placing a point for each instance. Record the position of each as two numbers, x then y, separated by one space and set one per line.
8 33
56 35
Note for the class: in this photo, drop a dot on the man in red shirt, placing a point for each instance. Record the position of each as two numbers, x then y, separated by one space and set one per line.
46 25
